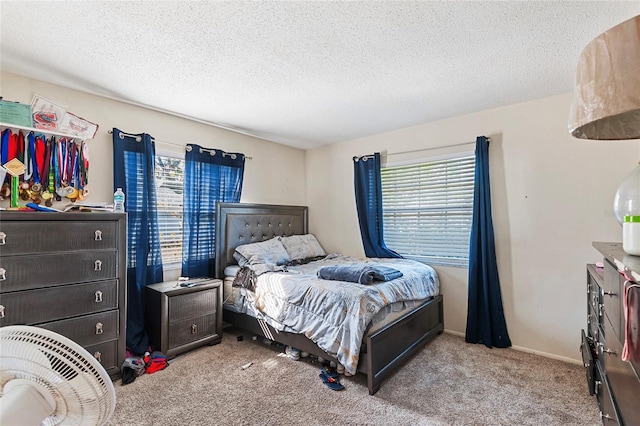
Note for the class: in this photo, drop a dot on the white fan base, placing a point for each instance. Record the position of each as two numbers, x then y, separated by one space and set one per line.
25 402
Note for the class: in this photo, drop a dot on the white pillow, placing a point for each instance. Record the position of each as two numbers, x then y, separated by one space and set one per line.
302 246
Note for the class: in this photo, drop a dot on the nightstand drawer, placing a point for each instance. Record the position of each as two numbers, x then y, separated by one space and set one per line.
49 304
193 304
191 330
16 237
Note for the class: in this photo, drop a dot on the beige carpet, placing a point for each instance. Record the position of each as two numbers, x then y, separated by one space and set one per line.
448 382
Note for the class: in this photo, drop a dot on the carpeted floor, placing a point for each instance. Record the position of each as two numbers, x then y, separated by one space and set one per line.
448 382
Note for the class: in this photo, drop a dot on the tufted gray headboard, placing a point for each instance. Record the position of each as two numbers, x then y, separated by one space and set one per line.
239 223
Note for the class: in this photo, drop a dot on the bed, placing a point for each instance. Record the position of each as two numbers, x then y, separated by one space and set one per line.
395 333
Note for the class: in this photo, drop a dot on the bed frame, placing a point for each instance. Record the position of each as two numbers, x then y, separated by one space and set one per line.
384 349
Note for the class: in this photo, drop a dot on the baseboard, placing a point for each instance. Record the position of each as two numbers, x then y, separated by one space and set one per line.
530 351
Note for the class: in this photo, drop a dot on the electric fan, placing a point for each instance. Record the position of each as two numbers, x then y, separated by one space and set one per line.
49 379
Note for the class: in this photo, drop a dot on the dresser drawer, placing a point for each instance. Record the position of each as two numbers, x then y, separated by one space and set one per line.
87 330
25 237
595 285
608 409
193 304
106 353
613 299
191 330
53 303
593 325
624 383
587 350
37 271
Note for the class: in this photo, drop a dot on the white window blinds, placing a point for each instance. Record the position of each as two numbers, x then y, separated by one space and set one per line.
427 209
169 174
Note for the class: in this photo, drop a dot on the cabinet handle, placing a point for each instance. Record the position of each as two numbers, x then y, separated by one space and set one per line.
97 265
3 274
3 238
194 328
610 293
98 235
1 311
97 356
609 352
98 296
99 329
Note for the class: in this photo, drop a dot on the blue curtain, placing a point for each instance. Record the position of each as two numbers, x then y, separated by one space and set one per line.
210 176
368 190
485 316
133 171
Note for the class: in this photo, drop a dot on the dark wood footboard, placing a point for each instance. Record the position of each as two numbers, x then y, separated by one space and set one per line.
385 349
391 346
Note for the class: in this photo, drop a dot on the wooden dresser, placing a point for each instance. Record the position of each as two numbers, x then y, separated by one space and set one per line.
615 383
66 272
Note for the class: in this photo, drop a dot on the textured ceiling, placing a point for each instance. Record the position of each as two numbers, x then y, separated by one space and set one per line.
307 73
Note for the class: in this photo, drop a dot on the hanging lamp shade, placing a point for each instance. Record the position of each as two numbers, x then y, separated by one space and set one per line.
606 101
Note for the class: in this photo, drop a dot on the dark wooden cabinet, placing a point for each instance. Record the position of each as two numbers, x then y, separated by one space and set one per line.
616 383
66 272
179 319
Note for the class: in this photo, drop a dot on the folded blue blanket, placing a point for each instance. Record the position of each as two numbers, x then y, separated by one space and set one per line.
363 274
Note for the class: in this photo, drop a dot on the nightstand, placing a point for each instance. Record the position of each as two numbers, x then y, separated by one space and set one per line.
179 319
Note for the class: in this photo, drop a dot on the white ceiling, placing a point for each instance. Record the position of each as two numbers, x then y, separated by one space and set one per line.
307 73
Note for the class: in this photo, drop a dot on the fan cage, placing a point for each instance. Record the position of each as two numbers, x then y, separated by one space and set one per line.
80 386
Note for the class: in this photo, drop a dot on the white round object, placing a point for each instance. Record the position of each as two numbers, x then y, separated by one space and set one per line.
62 372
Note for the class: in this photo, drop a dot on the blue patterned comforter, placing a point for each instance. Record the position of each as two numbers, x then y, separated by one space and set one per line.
335 314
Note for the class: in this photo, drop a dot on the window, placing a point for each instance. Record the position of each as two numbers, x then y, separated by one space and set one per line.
427 209
169 175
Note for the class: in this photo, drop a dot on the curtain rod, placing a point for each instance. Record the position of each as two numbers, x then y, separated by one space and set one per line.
138 139
434 147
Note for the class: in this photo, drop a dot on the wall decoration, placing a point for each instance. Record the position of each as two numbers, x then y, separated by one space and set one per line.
15 113
74 125
46 114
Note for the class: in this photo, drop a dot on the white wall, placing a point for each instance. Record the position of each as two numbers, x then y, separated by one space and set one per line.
276 174
552 196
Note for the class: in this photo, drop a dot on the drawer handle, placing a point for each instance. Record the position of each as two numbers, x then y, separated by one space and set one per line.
97 356
98 296
3 274
1 311
609 352
605 416
610 293
98 234
194 328
99 329
97 265
3 238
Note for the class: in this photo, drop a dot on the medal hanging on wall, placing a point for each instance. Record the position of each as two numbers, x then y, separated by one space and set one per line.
83 171
47 173
27 177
